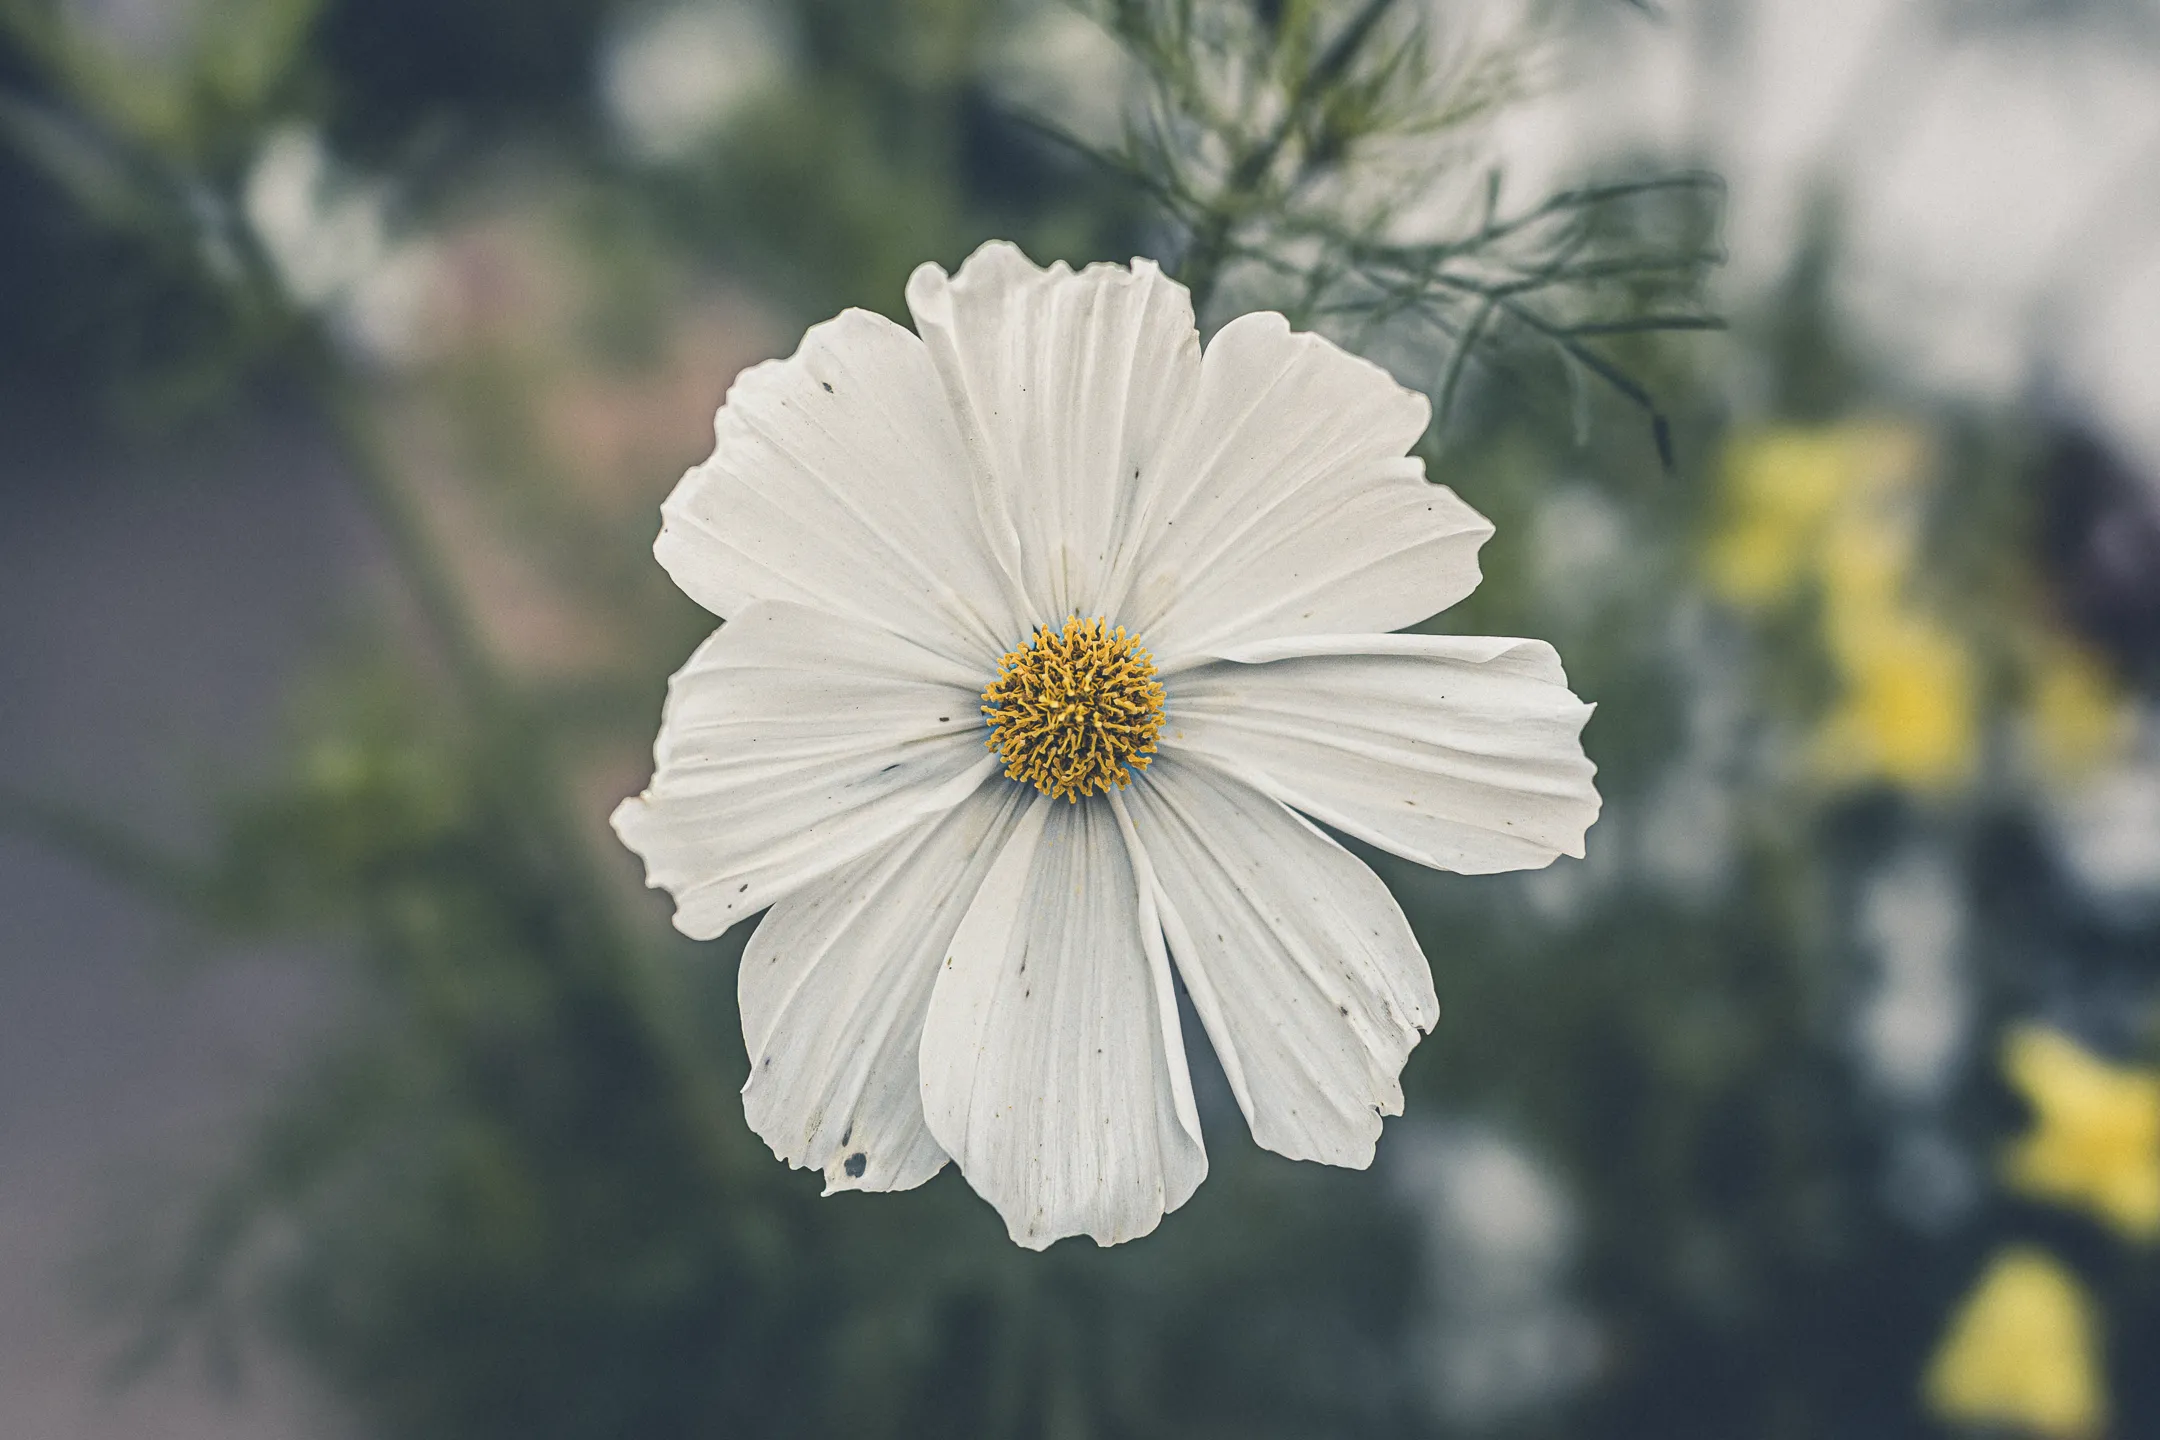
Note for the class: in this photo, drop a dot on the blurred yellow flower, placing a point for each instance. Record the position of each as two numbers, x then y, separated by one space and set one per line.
1908 708
2021 1353
1835 509
1782 488
1779 487
2097 1143
2078 717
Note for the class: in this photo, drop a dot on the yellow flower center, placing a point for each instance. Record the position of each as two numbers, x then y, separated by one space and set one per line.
1075 711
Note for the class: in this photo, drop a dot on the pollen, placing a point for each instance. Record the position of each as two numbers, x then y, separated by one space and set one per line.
1075 711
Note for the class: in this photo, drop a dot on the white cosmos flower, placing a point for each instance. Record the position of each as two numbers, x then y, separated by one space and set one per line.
1046 632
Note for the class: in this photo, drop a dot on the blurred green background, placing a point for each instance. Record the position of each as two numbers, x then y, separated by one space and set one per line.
350 1084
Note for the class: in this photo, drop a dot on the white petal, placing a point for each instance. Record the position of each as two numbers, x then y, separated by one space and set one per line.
1071 385
1300 963
834 987
1290 507
1052 1067
1458 752
793 742
840 480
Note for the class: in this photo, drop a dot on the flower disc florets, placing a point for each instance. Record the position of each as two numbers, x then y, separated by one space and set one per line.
1074 711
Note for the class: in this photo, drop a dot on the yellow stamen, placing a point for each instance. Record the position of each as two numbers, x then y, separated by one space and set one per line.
1074 712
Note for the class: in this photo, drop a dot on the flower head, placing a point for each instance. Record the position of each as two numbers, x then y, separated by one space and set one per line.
2022 1353
1835 513
1048 638
2079 717
2098 1140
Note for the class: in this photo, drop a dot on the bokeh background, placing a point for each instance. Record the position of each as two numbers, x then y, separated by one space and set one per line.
350 1085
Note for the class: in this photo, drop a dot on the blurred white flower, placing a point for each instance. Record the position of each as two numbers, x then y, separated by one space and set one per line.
1913 1024
1580 549
328 239
1690 833
931 549
2107 827
673 76
1499 1236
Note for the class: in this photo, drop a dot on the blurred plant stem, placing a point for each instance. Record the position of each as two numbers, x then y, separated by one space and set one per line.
108 850
515 749
427 575
495 709
1202 264
501 746
1313 156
